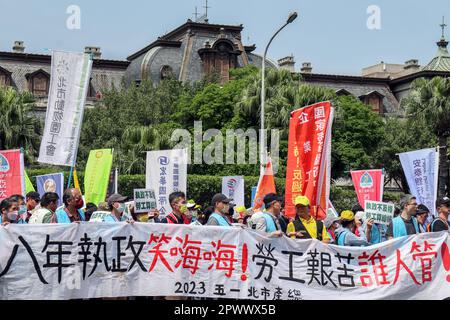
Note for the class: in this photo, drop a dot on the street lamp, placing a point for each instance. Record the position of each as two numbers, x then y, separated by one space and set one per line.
262 145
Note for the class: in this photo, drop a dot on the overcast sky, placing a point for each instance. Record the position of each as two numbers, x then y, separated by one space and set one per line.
331 34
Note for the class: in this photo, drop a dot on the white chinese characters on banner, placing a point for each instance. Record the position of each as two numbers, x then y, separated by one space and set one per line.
70 74
41 261
166 172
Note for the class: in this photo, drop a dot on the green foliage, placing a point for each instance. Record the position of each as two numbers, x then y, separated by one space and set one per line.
18 127
126 113
356 135
429 104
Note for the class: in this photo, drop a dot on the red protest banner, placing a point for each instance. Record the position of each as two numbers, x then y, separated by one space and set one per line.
308 165
368 185
11 173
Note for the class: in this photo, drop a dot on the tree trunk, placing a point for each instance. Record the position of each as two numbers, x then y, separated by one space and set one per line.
443 167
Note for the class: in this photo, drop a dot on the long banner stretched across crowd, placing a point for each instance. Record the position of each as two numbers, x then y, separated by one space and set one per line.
92 260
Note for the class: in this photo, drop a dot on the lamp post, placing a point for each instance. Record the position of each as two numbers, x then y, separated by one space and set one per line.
262 145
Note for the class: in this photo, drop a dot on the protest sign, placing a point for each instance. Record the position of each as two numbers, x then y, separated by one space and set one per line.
148 259
233 188
166 172
144 200
309 158
51 183
381 212
369 185
421 168
99 216
96 175
12 180
69 83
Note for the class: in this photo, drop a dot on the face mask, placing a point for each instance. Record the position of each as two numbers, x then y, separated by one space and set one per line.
226 209
123 218
121 208
13 215
183 208
79 204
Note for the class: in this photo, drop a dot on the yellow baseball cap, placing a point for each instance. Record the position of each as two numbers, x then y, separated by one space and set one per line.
301 201
241 209
347 215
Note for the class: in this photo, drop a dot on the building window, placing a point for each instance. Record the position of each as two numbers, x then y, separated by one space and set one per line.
38 83
374 99
166 72
5 77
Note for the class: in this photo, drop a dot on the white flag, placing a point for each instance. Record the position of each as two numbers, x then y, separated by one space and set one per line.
69 83
421 172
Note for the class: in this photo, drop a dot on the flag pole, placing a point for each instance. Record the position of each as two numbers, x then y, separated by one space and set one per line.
70 177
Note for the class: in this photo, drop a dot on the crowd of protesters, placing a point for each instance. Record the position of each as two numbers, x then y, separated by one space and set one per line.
350 228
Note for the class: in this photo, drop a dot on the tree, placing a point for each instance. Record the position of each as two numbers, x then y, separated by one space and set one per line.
429 103
356 135
136 107
18 127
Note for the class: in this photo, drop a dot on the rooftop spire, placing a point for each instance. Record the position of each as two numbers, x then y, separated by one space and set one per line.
443 25
206 7
443 43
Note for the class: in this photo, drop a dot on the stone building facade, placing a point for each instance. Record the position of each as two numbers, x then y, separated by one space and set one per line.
198 49
31 72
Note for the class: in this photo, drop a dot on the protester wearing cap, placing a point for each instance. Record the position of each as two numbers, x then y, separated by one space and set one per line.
345 235
441 221
422 215
332 224
221 205
71 210
305 226
116 205
405 224
192 212
240 210
267 221
178 204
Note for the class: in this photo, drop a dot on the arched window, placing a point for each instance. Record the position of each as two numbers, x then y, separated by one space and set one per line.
5 77
38 83
166 72
219 58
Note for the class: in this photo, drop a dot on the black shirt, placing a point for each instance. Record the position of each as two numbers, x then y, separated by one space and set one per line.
408 224
438 225
283 223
